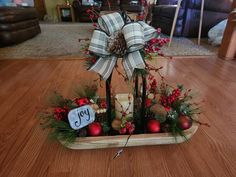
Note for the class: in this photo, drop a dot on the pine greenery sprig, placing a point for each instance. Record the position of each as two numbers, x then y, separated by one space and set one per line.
59 130
88 91
57 100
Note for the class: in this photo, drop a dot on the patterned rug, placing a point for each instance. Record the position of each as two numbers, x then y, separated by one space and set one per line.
61 40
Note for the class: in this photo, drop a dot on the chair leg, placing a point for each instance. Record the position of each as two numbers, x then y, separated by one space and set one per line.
174 21
200 23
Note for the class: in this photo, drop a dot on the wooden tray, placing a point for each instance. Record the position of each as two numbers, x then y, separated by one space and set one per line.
135 140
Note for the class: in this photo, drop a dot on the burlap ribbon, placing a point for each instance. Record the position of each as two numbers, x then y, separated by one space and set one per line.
135 34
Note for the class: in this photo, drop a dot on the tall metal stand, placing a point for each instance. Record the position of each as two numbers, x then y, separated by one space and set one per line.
143 105
136 86
174 21
108 99
200 23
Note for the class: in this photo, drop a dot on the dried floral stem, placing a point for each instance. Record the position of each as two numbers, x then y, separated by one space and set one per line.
201 123
120 151
157 70
119 73
124 112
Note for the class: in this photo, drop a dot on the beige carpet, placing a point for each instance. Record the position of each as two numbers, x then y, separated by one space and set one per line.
62 40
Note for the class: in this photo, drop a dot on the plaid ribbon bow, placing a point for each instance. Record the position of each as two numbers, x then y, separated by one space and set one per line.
135 34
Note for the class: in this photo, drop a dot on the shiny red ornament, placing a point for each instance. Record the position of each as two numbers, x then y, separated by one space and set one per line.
153 126
82 101
95 129
184 122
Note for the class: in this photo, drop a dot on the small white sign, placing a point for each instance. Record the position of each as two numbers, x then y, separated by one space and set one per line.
81 117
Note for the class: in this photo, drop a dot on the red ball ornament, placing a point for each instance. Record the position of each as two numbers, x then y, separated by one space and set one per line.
153 126
95 129
184 122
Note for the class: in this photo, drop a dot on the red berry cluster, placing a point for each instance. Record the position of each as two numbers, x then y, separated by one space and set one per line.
93 60
93 15
60 113
141 17
153 86
152 83
167 101
176 93
155 44
129 128
103 104
159 31
82 101
148 103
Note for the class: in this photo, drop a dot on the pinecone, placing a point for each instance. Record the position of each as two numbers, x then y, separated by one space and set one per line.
117 44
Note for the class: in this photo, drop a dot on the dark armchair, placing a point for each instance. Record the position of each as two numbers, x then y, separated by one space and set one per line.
131 6
135 6
189 16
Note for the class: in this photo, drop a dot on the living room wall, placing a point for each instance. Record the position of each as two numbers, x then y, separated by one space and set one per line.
51 9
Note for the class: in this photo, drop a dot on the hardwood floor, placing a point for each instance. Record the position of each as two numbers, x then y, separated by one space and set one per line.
26 151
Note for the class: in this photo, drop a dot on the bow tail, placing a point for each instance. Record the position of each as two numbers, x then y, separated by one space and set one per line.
104 66
131 61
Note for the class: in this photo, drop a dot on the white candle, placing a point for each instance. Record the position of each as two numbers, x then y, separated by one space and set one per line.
124 103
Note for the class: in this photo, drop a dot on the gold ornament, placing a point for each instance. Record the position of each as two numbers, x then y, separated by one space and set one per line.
159 110
157 98
116 124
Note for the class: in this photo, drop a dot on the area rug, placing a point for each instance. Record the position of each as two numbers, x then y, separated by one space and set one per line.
63 40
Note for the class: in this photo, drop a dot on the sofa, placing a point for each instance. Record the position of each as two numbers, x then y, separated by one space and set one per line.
17 25
189 16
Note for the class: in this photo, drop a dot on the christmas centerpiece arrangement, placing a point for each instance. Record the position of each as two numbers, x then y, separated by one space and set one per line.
153 113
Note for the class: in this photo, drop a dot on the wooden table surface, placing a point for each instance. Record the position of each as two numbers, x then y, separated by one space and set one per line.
26 151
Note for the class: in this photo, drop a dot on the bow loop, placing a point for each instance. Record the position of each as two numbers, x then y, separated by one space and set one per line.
134 36
98 44
131 61
111 22
104 66
149 32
